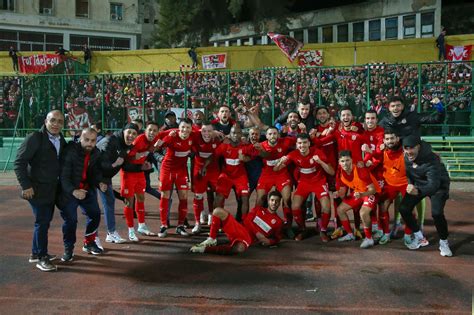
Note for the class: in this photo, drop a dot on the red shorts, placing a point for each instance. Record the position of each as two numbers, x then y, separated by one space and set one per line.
304 189
179 178
280 181
236 232
356 204
132 183
390 192
201 183
225 184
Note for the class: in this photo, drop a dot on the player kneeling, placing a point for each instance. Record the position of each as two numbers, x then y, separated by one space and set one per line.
261 225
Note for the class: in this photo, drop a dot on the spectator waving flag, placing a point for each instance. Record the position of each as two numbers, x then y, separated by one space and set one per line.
458 53
288 45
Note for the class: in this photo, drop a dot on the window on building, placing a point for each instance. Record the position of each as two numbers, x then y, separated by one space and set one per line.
46 7
7 39
374 30
342 33
427 24
155 21
391 28
82 8
327 34
8 5
358 32
99 43
116 11
409 26
313 35
298 35
146 21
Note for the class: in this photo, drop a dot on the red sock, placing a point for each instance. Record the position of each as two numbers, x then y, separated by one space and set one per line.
198 206
385 220
347 226
182 210
288 215
164 204
368 232
325 221
89 238
128 212
225 249
408 231
299 219
140 210
215 226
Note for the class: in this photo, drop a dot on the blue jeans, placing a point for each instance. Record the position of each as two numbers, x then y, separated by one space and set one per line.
89 207
108 202
43 216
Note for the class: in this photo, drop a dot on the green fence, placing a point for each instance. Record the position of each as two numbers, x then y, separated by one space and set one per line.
111 99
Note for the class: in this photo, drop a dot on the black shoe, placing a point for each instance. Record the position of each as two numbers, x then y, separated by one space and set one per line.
186 223
34 258
92 248
44 264
180 230
68 255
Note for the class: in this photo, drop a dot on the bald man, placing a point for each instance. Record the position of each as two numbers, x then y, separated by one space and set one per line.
37 169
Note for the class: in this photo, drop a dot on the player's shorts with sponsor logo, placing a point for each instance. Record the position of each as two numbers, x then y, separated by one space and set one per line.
305 188
179 178
132 183
225 184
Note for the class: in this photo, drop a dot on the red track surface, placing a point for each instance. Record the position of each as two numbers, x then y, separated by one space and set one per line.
161 276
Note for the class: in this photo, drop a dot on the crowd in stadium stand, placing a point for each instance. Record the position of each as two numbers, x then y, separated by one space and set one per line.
161 91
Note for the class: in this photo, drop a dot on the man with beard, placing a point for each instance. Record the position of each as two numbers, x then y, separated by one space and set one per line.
80 176
133 182
427 177
204 147
261 225
254 166
198 120
293 126
174 173
114 151
307 119
312 165
223 122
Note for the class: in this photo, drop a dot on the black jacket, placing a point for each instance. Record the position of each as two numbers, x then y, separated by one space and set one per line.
113 147
72 167
427 172
408 123
37 165
310 121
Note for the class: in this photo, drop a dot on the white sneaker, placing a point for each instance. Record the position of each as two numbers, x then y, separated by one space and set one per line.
143 230
197 249
203 217
132 236
98 243
367 242
346 238
377 234
417 243
163 232
114 238
196 229
208 242
444 249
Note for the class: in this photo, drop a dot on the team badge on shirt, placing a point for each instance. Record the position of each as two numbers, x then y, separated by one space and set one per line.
279 150
214 145
353 137
273 221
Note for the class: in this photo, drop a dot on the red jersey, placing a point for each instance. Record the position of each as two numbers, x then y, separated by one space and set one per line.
281 148
329 147
141 144
203 151
351 141
261 220
374 139
233 167
177 152
309 169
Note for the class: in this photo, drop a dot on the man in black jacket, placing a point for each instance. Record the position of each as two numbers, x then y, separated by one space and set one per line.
427 177
114 150
306 115
80 176
37 169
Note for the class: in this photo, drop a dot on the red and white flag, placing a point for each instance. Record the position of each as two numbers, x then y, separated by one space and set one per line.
458 53
288 45
310 58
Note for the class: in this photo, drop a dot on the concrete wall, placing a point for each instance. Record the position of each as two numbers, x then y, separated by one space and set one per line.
253 57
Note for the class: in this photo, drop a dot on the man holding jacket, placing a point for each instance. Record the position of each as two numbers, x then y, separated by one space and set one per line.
37 169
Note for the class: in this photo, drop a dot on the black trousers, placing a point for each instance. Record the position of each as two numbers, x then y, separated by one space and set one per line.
438 201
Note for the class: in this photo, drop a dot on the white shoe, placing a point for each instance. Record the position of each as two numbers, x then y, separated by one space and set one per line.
417 243
198 249
367 242
114 238
143 230
208 242
444 249
163 232
377 234
203 217
196 229
346 238
132 236
99 243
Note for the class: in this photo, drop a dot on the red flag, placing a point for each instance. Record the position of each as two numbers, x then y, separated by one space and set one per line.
458 53
288 45
310 58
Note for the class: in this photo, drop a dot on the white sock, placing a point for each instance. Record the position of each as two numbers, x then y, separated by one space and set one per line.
131 229
443 242
140 225
419 235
